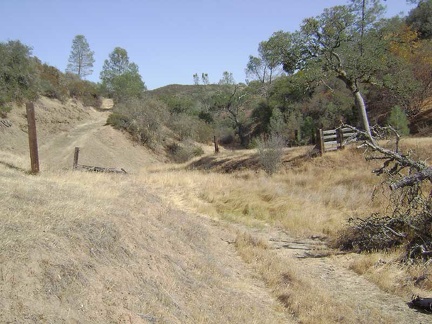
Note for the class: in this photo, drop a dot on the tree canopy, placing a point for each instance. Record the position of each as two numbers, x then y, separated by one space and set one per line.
345 42
18 78
120 78
81 57
420 19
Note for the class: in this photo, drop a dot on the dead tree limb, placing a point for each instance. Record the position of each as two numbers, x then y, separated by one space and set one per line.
425 174
401 161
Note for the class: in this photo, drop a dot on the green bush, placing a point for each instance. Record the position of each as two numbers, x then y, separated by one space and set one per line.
86 91
270 153
190 127
51 82
399 121
118 121
18 77
142 118
181 153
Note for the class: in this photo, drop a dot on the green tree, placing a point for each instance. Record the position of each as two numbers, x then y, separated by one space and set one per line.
399 121
18 77
227 79
420 19
231 102
266 66
205 78
120 78
343 42
81 57
196 79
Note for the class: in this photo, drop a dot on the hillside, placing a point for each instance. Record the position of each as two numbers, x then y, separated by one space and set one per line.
212 241
63 126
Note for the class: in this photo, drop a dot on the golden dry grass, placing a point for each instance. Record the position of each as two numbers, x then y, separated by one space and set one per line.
302 294
79 247
314 197
309 197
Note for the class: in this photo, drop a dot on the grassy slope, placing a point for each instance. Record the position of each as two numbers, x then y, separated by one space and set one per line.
80 247
99 248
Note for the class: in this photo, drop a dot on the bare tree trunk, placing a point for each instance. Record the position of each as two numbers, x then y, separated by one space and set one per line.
359 101
361 106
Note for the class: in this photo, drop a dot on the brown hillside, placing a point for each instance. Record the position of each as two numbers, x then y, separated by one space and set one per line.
421 124
63 126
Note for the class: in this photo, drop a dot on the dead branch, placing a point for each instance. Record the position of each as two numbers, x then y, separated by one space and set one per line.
401 161
413 179
410 216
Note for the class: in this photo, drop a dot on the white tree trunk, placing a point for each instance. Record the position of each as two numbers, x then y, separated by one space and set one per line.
363 113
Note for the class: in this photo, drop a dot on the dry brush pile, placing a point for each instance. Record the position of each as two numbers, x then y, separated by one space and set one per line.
407 221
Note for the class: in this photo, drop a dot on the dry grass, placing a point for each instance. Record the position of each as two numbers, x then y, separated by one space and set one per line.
310 197
393 276
314 197
300 292
79 247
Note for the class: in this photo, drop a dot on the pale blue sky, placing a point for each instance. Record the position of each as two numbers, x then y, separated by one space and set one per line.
170 40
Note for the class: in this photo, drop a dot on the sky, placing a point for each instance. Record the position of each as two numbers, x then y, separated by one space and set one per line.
169 40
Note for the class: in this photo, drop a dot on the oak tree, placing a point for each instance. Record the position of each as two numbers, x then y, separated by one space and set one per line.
120 77
343 42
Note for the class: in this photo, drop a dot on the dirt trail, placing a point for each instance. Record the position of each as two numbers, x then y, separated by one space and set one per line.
331 274
100 145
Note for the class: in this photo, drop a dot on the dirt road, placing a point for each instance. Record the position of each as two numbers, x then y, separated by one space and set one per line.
330 273
100 145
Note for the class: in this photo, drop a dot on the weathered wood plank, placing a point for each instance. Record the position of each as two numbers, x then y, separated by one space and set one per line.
331 131
327 137
33 145
328 143
100 169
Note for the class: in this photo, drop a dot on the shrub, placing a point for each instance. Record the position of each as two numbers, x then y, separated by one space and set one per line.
183 126
181 153
18 77
191 127
399 120
143 118
118 121
86 91
51 82
270 153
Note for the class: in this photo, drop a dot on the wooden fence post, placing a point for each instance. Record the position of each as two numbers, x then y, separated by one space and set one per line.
340 138
216 145
76 155
31 121
320 141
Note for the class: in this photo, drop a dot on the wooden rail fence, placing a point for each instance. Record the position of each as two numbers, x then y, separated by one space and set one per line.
333 139
92 168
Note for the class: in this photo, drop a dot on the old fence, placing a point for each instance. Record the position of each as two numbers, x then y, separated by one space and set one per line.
92 168
333 139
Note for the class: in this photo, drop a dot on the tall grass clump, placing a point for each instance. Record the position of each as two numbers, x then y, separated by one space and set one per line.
270 153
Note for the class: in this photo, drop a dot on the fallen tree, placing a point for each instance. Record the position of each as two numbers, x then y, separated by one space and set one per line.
409 221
